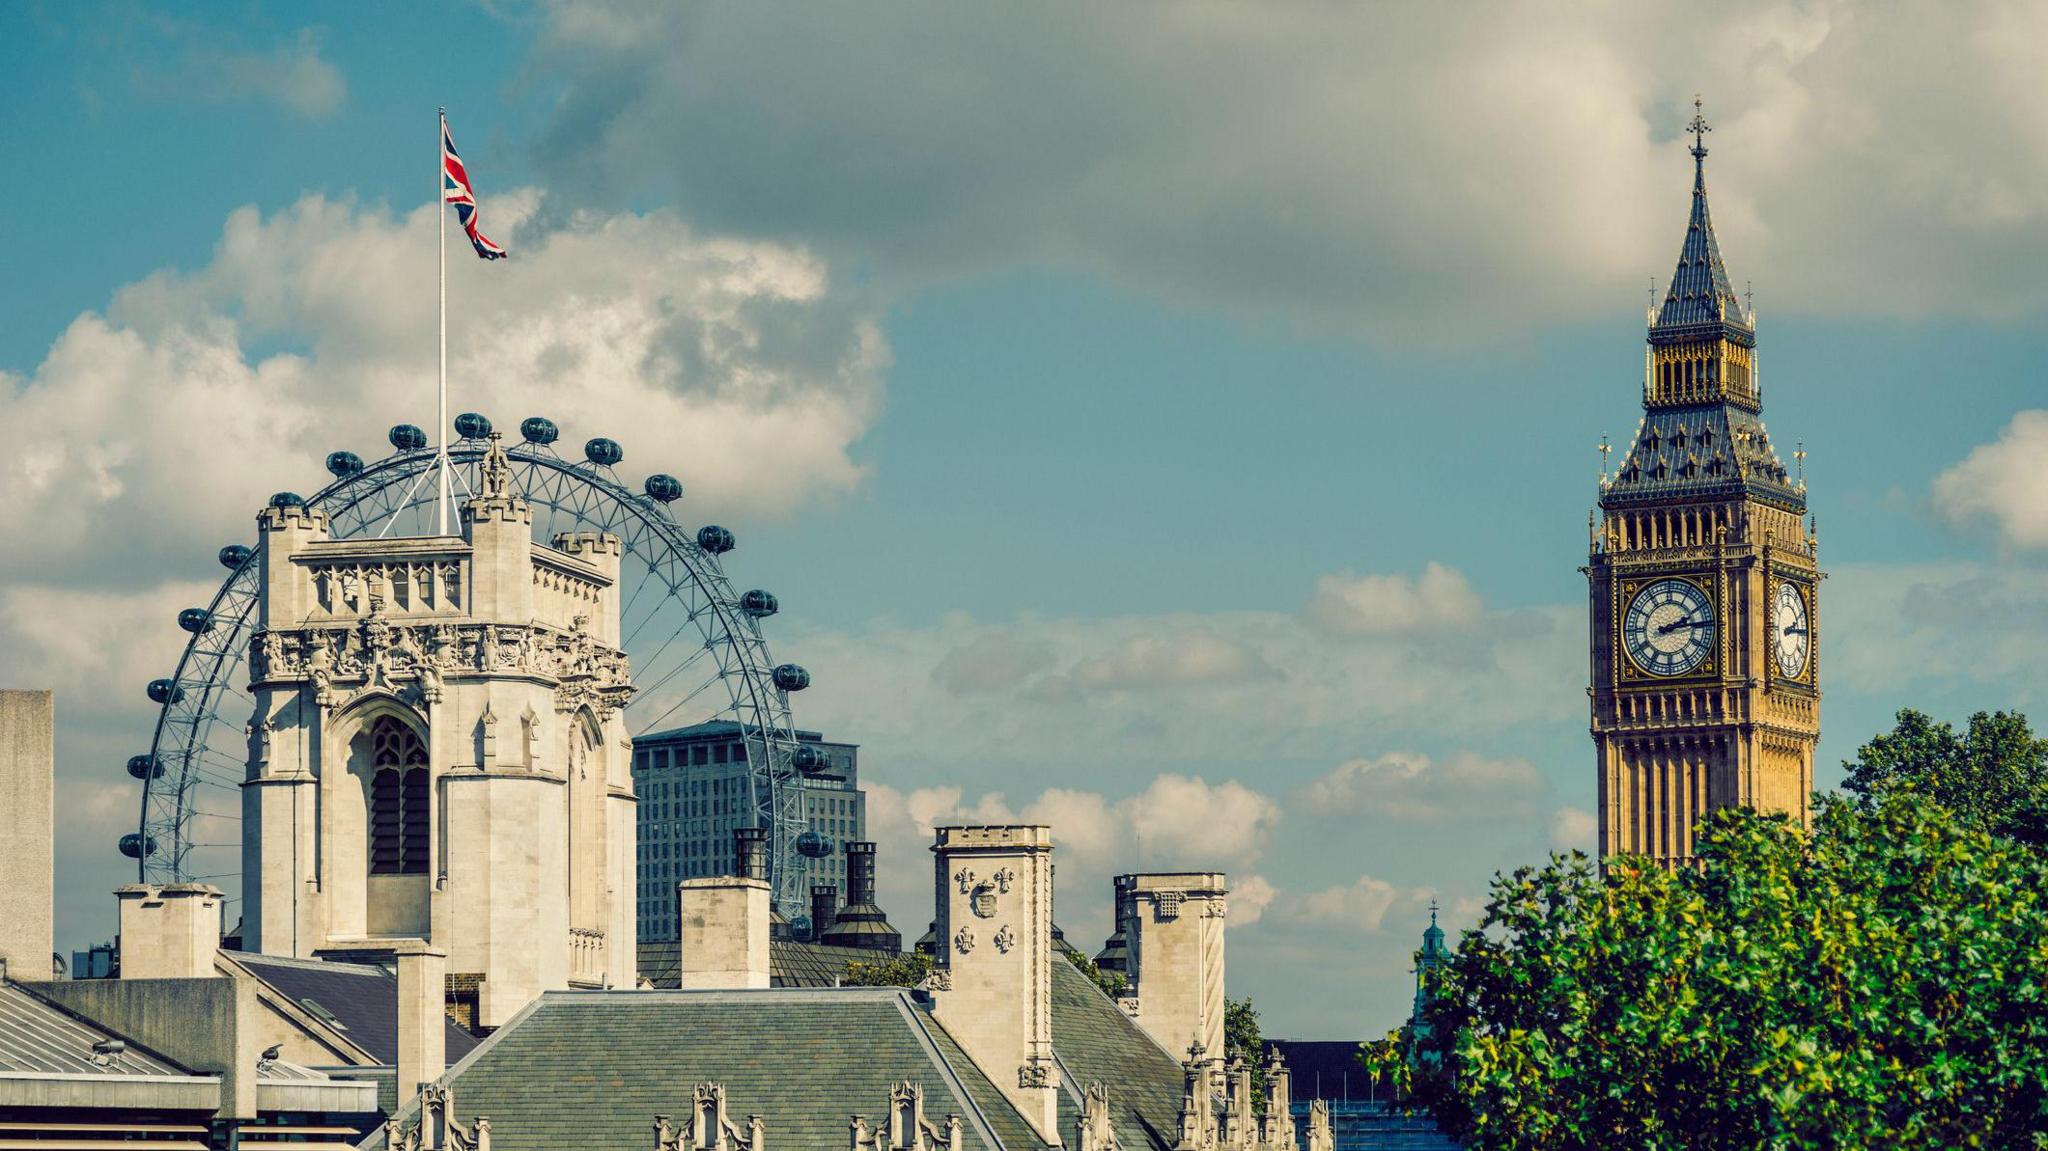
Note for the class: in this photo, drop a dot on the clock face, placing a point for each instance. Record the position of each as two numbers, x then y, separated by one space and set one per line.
1790 632
1669 628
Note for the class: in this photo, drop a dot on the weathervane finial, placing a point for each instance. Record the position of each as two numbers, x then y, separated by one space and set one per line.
1699 128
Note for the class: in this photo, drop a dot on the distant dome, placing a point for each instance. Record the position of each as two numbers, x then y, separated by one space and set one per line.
408 438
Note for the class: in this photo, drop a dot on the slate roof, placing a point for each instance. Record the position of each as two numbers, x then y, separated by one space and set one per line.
1701 452
591 1069
38 1037
790 963
361 997
1700 292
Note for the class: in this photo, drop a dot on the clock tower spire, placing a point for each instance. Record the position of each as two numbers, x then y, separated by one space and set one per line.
1703 579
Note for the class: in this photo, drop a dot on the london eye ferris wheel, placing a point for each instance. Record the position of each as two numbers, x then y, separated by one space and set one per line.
697 648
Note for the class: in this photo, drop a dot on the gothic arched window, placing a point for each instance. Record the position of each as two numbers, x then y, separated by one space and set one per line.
398 799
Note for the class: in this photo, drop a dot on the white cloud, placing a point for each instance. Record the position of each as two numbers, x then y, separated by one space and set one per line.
1359 906
2004 482
1192 824
1407 787
1574 829
1250 896
296 76
1144 663
1401 169
168 419
1393 604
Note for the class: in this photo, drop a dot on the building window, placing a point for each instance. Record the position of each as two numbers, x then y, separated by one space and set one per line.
398 799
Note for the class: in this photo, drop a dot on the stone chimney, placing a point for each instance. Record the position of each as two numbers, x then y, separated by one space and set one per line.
824 909
1173 935
422 1018
27 771
750 853
861 922
724 936
993 986
169 932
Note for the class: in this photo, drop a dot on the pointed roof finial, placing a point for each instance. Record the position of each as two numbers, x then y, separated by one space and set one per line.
1699 129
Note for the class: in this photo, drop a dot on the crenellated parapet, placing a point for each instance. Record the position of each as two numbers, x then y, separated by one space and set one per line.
1216 1111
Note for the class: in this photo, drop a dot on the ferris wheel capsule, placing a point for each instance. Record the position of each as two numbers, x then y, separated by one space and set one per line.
194 619
164 691
472 426
135 846
807 759
145 767
233 556
284 500
603 452
665 488
715 539
792 677
539 430
759 604
408 438
813 845
344 464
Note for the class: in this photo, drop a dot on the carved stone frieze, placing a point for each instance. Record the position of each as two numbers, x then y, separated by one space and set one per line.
374 653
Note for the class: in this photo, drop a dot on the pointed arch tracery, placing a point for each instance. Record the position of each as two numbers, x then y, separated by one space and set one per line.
400 800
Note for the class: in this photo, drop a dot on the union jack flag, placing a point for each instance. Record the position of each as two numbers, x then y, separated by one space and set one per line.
455 190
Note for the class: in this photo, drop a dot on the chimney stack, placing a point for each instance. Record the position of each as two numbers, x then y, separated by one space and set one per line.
1173 937
422 1019
169 932
750 853
824 909
724 932
861 922
993 986
27 882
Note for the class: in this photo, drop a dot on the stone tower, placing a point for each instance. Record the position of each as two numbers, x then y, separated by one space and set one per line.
1705 618
437 757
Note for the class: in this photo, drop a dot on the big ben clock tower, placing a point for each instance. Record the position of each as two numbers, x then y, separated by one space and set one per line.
1704 579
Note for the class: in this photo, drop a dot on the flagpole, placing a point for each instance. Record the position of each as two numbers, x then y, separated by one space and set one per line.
442 492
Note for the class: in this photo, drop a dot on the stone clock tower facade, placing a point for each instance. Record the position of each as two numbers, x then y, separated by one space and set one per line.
1705 622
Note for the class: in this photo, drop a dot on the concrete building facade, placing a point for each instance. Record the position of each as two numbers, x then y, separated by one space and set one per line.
693 784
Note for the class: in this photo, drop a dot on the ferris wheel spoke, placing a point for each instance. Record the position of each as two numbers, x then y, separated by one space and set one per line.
715 676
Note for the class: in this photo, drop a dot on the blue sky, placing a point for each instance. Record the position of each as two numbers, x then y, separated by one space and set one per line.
1179 428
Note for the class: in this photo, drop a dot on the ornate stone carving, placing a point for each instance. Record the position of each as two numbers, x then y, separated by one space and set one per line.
1037 1073
963 940
1005 939
375 652
966 879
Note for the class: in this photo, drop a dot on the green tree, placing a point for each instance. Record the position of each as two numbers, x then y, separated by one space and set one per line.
1241 1041
1112 983
1993 776
906 970
1881 981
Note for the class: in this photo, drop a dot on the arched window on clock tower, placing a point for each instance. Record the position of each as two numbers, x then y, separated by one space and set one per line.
399 804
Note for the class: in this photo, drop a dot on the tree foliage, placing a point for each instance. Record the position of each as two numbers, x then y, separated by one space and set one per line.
908 969
1112 983
1241 1041
1993 776
1881 981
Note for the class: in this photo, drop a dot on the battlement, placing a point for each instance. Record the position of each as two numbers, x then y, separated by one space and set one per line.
993 837
588 545
292 517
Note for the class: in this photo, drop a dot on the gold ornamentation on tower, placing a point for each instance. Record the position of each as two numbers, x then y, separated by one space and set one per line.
1703 581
